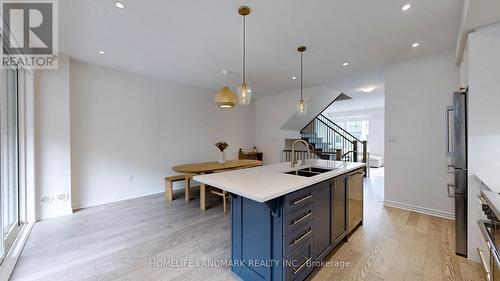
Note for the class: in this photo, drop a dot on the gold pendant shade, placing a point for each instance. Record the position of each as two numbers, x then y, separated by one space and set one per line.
225 98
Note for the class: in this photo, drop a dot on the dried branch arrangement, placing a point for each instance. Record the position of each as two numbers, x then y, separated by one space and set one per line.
221 145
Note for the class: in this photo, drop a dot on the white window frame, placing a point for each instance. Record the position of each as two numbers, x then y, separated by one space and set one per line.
26 134
26 173
14 230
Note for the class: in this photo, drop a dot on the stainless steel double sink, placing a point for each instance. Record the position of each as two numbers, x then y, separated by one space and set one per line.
310 172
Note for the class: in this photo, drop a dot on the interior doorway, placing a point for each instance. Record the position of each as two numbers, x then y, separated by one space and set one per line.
363 116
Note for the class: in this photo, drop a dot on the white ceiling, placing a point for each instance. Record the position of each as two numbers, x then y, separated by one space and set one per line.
352 86
476 14
190 42
360 101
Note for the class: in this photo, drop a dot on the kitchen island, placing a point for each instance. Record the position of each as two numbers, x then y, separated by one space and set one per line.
285 221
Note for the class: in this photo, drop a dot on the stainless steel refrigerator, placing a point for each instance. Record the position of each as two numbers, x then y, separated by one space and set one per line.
459 165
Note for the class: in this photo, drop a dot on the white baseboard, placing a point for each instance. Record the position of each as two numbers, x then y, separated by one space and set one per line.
418 209
54 212
132 195
116 198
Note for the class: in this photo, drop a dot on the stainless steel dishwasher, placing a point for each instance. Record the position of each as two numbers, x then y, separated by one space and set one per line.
355 191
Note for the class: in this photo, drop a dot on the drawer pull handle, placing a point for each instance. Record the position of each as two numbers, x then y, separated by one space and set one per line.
301 237
484 264
302 266
306 215
301 200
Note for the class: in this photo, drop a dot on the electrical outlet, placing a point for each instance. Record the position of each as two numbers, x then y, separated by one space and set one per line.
63 197
47 199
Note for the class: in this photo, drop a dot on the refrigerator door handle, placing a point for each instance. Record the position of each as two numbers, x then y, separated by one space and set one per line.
449 133
451 190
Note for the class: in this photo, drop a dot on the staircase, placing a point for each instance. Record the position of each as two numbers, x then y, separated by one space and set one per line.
331 142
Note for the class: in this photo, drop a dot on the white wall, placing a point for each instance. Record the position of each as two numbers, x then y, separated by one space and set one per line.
276 120
317 98
271 114
416 94
128 131
52 145
482 67
375 117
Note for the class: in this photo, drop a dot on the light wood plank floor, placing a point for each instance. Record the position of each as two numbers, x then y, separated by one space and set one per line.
120 241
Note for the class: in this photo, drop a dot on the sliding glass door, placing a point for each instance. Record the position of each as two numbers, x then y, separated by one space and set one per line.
9 159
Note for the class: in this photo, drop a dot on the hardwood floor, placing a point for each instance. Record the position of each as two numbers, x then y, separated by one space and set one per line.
394 244
135 239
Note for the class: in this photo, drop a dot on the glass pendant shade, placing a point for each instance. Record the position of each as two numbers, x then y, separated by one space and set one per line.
225 98
244 94
301 107
244 91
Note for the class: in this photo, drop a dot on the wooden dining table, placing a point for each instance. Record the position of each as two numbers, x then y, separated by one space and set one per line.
190 170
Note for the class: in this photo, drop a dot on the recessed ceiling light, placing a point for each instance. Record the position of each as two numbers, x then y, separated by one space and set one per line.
119 5
101 52
367 89
414 45
406 7
345 64
294 77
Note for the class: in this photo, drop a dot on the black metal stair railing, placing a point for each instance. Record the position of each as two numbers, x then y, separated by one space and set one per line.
330 142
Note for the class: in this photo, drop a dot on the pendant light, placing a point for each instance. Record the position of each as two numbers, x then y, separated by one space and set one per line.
225 98
301 105
244 91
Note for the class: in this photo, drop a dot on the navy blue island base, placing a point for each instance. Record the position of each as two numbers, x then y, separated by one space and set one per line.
287 237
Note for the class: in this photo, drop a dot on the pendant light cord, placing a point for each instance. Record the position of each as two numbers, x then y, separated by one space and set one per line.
244 50
301 73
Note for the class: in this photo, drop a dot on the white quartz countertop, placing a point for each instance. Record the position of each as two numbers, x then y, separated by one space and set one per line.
267 182
492 182
493 200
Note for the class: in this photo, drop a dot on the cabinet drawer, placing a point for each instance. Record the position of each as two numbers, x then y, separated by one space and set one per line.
298 200
297 238
297 219
298 264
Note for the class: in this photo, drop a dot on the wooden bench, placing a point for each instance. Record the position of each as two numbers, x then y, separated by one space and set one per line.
169 186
